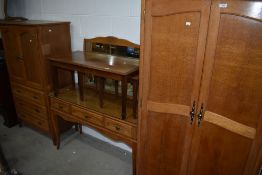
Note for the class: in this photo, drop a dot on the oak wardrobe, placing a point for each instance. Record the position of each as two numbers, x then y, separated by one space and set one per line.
201 96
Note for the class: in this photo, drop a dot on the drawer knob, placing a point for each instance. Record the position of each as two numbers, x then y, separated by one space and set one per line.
60 107
39 123
37 110
86 116
35 97
117 128
50 30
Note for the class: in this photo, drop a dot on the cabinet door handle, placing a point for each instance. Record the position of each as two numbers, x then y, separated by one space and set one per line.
192 113
201 115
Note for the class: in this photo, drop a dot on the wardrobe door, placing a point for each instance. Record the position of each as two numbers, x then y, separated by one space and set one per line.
229 137
14 59
32 57
175 35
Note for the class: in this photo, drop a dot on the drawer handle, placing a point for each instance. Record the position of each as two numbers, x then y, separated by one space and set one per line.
39 123
37 110
18 91
23 116
61 107
87 117
35 97
117 128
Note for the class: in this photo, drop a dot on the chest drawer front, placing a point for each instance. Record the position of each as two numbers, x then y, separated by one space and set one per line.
34 109
120 128
31 95
28 118
87 116
58 105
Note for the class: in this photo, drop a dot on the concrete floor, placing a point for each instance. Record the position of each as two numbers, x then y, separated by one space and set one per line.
34 154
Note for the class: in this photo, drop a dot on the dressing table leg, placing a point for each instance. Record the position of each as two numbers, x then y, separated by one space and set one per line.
80 128
81 85
116 87
101 91
124 96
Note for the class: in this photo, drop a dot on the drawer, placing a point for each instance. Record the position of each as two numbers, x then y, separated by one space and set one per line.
34 109
63 107
120 128
87 116
29 94
28 118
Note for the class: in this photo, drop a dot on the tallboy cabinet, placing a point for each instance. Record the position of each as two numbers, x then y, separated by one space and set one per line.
27 43
201 79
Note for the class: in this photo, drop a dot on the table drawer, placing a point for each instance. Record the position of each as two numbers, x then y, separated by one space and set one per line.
34 109
29 94
120 128
63 107
28 118
87 116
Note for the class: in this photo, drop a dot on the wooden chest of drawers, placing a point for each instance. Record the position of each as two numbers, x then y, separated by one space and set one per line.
26 45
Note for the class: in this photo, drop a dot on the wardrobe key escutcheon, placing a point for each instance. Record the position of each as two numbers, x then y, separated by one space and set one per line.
192 113
201 115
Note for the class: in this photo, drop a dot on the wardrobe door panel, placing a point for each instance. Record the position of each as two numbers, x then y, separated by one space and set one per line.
173 59
229 137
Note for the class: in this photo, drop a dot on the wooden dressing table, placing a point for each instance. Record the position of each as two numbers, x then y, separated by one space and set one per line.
78 104
102 65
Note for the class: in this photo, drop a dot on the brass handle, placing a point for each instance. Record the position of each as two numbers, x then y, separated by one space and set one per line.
117 128
192 113
35 97
37 110
19 57
201 115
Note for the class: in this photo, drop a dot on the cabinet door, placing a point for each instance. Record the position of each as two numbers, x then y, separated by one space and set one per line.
174 44
14 59
30 51
229 137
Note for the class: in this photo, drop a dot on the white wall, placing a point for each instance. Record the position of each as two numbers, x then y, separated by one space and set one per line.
89 18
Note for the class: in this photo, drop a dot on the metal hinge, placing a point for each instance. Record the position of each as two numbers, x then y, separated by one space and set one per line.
144 12
260 171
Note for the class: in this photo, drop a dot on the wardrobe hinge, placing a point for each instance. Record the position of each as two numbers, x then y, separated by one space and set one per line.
144 12
260 171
